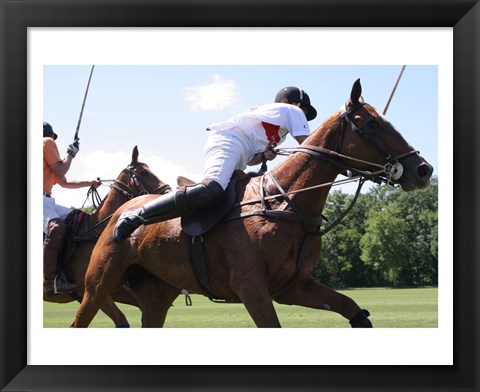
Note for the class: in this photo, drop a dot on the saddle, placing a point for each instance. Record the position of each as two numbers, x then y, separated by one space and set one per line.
201 221
78 225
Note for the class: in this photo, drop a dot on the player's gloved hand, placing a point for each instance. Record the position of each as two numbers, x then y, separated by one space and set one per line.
73 148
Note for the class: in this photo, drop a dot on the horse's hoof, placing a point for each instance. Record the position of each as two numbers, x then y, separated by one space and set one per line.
360 320
123 326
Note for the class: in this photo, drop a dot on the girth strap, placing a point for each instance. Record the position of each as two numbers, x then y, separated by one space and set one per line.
198 263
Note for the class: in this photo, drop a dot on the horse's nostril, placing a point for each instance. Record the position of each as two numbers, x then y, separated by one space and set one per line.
424 170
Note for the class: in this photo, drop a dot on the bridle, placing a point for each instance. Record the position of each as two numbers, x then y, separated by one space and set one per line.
392 169
134 187
135 184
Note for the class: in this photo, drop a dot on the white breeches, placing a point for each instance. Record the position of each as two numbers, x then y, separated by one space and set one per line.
52 211
225 152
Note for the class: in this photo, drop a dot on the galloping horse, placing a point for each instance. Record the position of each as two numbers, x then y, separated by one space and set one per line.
268 246
137 179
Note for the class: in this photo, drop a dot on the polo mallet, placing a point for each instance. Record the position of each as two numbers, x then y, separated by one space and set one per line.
394 88
395 169
76 139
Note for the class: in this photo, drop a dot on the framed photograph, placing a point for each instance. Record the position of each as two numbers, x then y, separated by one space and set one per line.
80 360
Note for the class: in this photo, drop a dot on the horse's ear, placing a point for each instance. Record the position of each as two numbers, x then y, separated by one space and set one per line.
356 92
135 155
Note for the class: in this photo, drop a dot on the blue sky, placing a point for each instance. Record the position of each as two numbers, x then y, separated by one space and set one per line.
164 109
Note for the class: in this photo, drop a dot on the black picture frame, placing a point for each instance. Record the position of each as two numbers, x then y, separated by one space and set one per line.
17 16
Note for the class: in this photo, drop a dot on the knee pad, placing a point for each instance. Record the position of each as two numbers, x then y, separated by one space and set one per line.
57 229
198 195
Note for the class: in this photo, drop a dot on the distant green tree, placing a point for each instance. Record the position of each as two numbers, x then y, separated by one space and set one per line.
420 210
388 238
384 244
340 264
401 237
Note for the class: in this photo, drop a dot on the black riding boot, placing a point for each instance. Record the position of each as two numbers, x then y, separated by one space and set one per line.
174 204
54 281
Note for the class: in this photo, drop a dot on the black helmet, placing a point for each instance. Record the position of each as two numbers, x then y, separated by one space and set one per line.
295 94
48 131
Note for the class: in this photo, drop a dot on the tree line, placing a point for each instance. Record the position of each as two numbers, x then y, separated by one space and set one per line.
389 239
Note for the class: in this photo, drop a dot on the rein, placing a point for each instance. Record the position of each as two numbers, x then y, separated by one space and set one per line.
329 155
125 189
94 196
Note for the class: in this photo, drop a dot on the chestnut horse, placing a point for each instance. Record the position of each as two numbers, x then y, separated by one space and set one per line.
268 247
135 180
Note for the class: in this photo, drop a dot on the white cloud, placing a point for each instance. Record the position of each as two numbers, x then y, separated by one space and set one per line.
214 96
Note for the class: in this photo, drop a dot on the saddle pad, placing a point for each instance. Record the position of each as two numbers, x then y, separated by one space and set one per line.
202 220
74 221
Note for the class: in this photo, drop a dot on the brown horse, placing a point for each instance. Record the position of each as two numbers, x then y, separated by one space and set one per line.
135 180
268 247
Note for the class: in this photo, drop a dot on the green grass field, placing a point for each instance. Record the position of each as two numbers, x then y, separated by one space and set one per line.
389 308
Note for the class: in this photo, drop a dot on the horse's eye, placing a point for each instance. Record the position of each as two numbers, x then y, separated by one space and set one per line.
373 124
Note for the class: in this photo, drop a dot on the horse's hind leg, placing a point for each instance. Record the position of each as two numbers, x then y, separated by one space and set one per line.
312 294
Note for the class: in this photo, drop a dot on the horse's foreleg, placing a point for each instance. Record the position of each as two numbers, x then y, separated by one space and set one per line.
103 277
261 310
86 312
114 312
155 298
312 294
95 298
154 310
125 296
257 301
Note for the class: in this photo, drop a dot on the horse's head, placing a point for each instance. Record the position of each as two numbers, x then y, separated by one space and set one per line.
368 137
138 179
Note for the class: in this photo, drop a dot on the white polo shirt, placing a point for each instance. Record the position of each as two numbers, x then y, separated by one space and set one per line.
267 124
233 143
